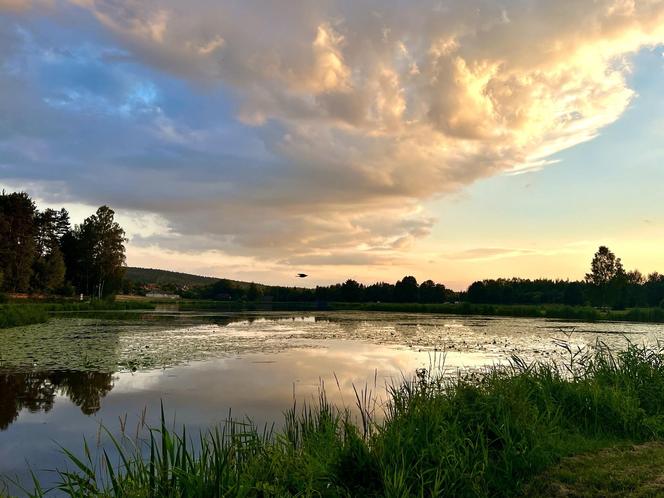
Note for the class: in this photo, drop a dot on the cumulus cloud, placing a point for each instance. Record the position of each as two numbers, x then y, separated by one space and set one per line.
306 132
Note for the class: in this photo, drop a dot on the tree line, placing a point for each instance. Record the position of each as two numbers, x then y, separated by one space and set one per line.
406 290
41 252
607 284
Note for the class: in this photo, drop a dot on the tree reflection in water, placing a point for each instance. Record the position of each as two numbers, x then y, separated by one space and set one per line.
36 391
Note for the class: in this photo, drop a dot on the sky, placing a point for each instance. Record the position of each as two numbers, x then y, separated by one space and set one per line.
368 140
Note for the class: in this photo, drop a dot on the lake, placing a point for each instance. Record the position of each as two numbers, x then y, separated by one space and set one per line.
61 380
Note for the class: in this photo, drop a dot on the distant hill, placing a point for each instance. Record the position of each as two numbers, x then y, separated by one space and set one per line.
166 277
161 277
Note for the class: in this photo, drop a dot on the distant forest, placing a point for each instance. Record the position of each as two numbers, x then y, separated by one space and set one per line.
167 279
607 284
42 254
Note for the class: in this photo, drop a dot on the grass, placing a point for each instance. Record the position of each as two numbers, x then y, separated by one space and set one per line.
584 313
14 315
625 470
496 433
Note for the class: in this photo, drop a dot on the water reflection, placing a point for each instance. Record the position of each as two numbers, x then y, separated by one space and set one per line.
37 391
59 381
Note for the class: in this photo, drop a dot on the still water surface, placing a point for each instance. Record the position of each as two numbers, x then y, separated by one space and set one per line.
59 381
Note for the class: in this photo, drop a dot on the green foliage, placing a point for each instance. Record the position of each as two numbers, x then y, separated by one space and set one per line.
17 240
16 315
481 434
99 251
40 253
50 271
625 470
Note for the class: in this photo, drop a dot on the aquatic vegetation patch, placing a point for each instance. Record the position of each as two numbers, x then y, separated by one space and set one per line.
143 340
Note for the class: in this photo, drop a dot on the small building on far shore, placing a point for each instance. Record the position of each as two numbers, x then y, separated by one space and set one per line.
161 295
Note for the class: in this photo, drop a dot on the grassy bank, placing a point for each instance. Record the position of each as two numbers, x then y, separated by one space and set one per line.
476 435
585 313
14 315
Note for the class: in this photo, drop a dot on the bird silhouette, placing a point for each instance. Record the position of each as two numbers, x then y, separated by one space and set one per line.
302 275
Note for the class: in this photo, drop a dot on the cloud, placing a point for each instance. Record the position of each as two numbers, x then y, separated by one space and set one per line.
488 253
348 259
316 130
21 5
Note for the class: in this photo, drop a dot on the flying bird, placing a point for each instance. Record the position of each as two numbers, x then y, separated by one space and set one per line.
302 275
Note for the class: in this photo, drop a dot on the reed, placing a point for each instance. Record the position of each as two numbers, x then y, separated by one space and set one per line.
17 315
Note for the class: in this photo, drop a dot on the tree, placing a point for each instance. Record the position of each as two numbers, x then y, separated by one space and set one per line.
407 290
573 294
608 278
77 271
351 291
379 292
17 240
253 293
49 268
477 292
654 289
54 270
51 227
49 271
102 252
604 267
431 292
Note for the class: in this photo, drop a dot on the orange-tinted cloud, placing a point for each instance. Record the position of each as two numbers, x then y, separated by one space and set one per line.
371 109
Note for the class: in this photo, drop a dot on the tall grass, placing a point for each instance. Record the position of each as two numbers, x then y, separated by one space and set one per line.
99 305
14 315
479 434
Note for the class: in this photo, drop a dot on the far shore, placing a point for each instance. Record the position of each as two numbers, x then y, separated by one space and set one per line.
26 311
